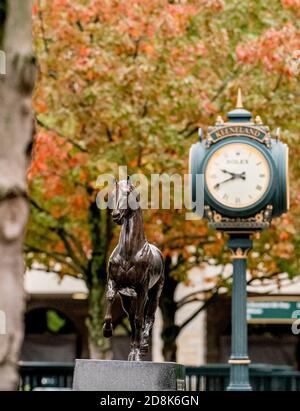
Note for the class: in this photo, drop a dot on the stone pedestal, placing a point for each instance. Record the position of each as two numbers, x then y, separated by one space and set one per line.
101 375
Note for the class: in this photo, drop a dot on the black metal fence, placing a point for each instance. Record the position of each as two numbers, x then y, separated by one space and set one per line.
37 375
214 377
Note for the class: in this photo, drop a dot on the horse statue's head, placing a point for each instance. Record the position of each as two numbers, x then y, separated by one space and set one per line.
125 201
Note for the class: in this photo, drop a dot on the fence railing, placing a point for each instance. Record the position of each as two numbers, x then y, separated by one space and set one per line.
213 377
35 375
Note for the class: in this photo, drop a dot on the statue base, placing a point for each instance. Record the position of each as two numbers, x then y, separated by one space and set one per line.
112 375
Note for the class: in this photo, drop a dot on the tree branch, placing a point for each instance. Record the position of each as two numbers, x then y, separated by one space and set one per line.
186 299
77 245
198 311
68 139
213 296
62 234
60 257
56 229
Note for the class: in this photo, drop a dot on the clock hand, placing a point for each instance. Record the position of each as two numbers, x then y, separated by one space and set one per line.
225 181
228 172
234 176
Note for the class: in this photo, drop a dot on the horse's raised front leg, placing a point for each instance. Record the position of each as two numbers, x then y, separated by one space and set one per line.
152 304
110 296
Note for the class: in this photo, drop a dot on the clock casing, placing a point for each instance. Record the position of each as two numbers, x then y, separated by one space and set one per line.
277 193
253 207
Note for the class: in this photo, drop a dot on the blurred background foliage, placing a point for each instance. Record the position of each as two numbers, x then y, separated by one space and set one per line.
129 83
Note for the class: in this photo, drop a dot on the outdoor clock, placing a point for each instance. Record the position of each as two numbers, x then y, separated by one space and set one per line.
245 173
239 172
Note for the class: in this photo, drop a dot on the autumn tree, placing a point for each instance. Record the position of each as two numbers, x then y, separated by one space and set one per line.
15 136
129 83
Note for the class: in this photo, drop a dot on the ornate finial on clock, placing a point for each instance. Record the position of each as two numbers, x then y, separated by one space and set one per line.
239 114
258 120
219 121
239 100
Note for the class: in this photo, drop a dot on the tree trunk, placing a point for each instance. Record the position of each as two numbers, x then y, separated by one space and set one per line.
168 308
100 231
99 346
15 137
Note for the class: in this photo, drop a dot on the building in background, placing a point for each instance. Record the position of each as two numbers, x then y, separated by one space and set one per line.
207 338
55 320
56 310
55 328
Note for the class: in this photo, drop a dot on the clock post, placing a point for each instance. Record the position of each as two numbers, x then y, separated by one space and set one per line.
245 173
239 361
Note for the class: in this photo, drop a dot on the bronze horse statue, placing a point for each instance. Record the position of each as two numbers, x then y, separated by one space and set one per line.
135 271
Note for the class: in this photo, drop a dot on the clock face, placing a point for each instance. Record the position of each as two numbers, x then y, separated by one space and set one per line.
237 175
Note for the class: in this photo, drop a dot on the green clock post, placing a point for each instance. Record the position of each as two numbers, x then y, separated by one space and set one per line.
245 173
239 360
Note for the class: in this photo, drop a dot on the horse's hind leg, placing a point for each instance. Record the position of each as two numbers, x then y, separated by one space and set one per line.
152 304
110 296
139 324
128 306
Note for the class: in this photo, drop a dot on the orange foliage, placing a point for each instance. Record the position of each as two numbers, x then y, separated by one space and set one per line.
273 49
